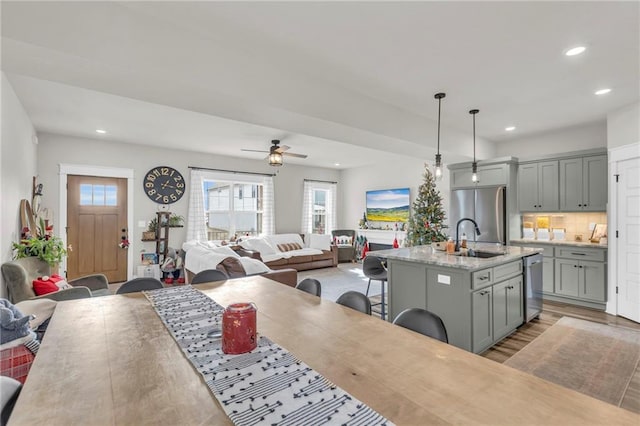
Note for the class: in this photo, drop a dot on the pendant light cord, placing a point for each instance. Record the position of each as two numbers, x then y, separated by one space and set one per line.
474 138
439 102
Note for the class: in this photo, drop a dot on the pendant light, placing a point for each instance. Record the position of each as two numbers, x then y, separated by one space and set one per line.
438 170
474 165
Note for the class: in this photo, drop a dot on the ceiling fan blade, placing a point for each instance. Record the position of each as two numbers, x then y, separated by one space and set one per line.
253 150
282 148
292 154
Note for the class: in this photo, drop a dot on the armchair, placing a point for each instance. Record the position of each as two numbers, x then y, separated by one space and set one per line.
19 274
346 252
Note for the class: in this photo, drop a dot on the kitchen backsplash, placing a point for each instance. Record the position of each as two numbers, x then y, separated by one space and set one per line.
572 223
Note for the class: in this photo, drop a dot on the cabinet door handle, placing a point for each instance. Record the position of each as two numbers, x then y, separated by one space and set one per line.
482 293
510 287
483 278
579 254
575 266
580 266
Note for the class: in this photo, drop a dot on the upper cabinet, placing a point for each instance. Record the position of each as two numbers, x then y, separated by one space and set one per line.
538 186
583 183
499 171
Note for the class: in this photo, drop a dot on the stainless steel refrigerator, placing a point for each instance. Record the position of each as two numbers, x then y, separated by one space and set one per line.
484 205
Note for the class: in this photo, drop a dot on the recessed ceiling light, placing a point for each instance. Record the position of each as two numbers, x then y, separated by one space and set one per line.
575 51
337 164
102 132
602 91
510 128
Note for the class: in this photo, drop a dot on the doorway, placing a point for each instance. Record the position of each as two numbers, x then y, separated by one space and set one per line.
96 225
96 212
624 236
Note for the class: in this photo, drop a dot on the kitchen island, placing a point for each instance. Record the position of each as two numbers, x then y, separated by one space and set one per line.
480 300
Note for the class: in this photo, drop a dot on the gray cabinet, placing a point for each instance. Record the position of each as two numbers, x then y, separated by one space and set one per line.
581 279
482 319
548 276
478 308
507 307
566 277
573 274
413 277
538 186
583 183
488 175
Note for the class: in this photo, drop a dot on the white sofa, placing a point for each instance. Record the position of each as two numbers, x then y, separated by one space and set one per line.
282 251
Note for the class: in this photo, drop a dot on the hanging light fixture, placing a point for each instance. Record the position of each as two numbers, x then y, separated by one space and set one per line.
438 170
474 165
275 159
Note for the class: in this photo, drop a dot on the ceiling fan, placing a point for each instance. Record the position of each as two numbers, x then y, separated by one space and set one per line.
276 151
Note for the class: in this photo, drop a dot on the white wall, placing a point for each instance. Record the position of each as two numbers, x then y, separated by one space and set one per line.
18 159
623 126
56 149
356 182
556 142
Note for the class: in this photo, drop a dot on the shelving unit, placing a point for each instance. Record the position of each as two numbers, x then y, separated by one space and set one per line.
162 236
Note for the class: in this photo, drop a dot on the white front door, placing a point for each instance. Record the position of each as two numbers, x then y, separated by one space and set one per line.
628 241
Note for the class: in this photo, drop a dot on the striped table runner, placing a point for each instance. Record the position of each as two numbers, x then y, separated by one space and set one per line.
268 385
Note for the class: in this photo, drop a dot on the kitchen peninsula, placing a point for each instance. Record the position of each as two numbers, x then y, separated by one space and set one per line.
480 299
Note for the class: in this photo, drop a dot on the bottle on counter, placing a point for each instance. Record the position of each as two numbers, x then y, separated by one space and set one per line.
451 246
463 241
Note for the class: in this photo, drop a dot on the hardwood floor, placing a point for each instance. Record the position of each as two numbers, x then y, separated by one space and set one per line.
552 312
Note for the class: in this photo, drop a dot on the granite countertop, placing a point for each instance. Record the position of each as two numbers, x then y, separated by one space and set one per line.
426 255
560 243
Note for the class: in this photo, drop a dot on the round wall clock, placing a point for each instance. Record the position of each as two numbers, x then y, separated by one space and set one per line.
164 185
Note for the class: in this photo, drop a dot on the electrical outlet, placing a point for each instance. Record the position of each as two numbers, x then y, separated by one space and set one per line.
591 226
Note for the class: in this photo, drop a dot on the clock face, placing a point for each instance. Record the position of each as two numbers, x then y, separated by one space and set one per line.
164 185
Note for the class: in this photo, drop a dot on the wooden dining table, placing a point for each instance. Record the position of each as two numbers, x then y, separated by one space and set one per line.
111 361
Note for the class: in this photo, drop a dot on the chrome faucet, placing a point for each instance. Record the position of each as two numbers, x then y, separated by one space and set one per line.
458 230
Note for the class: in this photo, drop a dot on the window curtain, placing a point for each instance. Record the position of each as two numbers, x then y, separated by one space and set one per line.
196 218
307 206
196 221
268 210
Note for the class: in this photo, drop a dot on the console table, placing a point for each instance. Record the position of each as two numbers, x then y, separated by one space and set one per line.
382 236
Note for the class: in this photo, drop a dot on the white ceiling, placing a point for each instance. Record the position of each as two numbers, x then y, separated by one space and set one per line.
339 81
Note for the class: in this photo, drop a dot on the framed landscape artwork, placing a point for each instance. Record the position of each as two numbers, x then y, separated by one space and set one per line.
388 205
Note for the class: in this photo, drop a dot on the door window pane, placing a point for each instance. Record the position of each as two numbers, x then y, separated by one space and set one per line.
98 195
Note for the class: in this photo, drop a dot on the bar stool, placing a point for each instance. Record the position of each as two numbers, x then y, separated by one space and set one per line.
374 269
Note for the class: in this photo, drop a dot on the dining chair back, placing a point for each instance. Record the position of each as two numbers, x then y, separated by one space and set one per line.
9 391
209 275
355 300
311 286
374 269
423 322
139 284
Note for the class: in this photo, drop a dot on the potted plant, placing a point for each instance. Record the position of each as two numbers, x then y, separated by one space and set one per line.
150 233
46 247
175 220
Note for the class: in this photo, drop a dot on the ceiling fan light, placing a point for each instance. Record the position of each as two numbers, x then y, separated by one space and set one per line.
275 159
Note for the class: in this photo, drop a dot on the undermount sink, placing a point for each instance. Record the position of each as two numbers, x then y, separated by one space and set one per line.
480 254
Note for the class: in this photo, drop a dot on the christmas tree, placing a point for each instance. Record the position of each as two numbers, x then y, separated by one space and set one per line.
427 216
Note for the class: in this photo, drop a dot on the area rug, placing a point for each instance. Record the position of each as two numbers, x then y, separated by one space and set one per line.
595 359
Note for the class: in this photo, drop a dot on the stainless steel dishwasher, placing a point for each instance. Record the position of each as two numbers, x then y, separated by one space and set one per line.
533 286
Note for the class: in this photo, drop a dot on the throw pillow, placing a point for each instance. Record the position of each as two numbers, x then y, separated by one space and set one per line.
344 240
42 285
320 241
49 284
258 244
284 247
